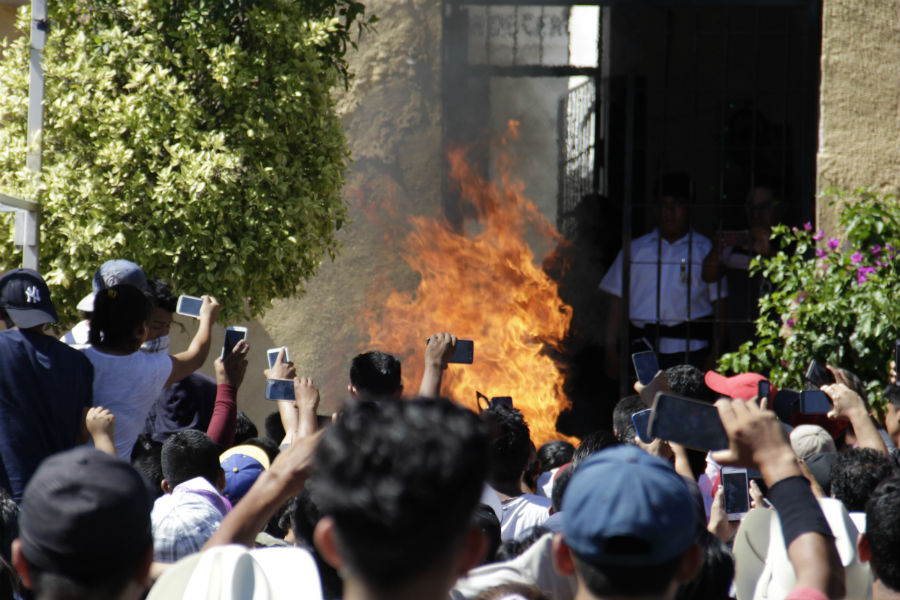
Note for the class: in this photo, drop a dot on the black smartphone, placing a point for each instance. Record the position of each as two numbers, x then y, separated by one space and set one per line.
502 400
737 492
646 366
786 404
818 375
897 355
689 422
762 389
464 352
641 420
232 336
814 402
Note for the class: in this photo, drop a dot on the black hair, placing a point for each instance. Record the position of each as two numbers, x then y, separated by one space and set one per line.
9 523
244 429
687 380
559 487
160 293
856 472
485 519
883 531
375 374
270 447
510 445
190 453
622 423
675 185
273 427
891 394
118 312
54 585
513 548
381 472
304 515
645 580
713 580
555 454
146 458
593 442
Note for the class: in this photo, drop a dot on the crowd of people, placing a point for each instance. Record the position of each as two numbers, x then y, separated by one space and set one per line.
127 474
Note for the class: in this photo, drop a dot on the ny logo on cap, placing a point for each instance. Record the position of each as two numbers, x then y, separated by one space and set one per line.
32 295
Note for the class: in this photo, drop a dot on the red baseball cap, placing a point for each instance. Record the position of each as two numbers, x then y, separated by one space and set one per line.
743 385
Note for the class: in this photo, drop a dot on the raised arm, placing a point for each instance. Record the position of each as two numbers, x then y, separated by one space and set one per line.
850 406
229 376
284 479
438 351
101 424
185 363
757 441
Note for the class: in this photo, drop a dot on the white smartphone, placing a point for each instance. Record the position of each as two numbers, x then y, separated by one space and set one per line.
189 306
272 355
737 492
232 336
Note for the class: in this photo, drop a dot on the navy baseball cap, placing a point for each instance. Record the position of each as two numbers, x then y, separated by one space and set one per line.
85 514
626 508
25 297
110 273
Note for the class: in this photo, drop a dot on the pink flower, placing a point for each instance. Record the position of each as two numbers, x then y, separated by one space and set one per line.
790 322
881 264
833 243
807 226
862 274
820 253
876 249
794 230
819 235
857 257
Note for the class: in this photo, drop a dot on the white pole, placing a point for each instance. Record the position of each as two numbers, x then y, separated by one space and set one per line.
31 219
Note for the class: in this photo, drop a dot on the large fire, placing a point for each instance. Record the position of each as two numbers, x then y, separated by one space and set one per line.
483 286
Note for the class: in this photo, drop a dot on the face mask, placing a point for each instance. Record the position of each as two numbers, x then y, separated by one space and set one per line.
160 344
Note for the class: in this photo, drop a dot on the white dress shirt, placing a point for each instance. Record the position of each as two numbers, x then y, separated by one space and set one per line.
680 262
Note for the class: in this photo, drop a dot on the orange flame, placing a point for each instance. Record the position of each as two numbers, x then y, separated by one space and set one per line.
484 287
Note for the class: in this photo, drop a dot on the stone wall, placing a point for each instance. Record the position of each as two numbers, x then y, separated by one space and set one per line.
859 122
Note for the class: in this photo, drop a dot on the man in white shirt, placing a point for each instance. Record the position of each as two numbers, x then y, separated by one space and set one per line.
671 308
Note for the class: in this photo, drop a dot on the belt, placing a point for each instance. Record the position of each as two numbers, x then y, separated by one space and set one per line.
695 330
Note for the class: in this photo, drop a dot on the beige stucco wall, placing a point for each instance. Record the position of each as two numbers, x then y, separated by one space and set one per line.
859 125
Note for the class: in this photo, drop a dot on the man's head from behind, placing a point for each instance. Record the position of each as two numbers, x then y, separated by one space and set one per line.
396 485
855 473
190 453
25 299
375 375
880 545
84 528
510 445
623 426
629 526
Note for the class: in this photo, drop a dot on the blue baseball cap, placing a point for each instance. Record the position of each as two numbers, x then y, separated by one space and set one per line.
242 465
110 273
624 507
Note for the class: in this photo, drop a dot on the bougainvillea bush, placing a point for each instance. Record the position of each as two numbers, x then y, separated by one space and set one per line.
834 298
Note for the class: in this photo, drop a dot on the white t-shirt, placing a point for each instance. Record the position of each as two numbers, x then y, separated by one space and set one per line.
679 264
522 513
128 386
77 337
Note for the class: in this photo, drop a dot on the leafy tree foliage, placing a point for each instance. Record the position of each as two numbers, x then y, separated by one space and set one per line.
833 298
197 138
